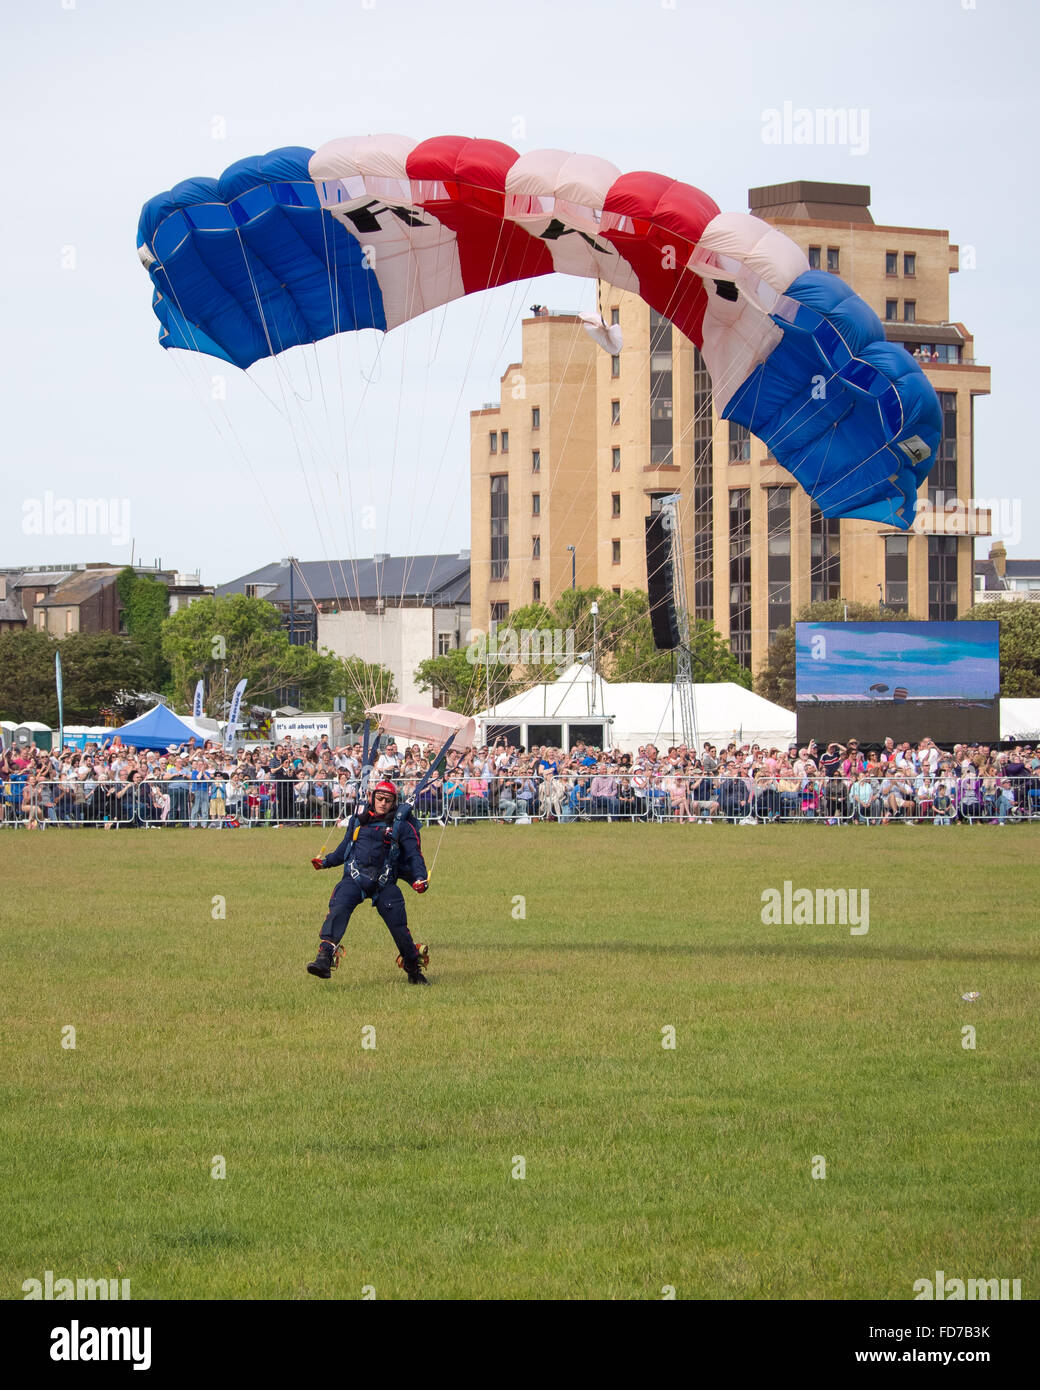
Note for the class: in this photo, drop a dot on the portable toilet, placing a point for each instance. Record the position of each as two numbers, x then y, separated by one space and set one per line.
32 732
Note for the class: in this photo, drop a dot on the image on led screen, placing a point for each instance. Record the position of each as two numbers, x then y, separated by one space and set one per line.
901 680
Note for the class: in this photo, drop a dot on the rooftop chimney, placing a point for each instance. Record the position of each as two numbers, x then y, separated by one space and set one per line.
998 554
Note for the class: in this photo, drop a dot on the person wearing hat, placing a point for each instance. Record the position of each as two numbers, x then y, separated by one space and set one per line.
380 847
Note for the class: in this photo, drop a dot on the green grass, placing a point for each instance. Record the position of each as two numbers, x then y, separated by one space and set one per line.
540 1037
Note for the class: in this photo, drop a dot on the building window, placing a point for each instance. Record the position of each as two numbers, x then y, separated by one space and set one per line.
832 259
824 555
500 526
615 504
891 310
615 552
493 437
536 504
615 412
942 480
740 574
615 460
499 613
615 365
660 389
536 591
536 418
505 441
897 572
778 545
616 589
814 258
536 547
909 263
703 493
891 262
615 315
536 460
444 643
739 443
942 579
909 310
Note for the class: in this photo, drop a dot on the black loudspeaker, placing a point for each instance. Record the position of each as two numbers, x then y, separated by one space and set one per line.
659 583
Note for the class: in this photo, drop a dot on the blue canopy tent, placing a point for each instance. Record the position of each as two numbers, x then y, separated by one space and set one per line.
157 728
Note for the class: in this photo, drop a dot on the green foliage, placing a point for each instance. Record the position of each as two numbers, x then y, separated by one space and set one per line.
96 668
775 679
463 682
1019 643
363 684
624 640
27 677
146 605
246 636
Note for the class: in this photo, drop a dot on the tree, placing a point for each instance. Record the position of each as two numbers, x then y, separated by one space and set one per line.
246 636
97 667
624 640
1019 643
363 684
146 605
775 679
464 681
27 690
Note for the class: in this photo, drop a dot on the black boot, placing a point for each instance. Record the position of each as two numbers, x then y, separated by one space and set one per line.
323 963
414 970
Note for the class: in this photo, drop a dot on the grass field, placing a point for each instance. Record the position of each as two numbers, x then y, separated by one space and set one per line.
541 1037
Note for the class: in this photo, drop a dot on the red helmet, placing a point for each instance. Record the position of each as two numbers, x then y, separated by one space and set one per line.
383 787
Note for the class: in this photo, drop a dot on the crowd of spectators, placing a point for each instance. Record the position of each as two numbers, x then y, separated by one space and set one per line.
209 786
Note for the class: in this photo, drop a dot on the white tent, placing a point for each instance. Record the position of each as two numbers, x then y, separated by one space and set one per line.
1020 720
629 714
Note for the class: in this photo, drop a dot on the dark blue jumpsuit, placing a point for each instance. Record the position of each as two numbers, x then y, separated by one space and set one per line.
367 849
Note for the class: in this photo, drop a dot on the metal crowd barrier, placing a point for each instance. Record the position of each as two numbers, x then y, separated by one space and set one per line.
704 799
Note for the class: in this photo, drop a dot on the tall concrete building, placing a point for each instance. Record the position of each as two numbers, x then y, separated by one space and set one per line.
582 445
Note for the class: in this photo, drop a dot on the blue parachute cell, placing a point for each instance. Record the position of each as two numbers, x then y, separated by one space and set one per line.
852 416
248 265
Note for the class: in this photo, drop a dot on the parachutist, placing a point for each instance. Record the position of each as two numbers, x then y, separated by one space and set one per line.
380 846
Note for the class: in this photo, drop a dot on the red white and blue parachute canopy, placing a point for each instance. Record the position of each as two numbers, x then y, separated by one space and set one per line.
369 232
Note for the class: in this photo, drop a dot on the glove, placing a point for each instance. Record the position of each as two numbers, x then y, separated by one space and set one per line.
318 863
421 885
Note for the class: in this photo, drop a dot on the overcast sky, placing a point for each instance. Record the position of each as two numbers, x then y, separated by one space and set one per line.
108 102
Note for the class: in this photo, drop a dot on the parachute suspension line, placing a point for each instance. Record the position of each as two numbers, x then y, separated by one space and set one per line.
704 413
590 516
350 536
234 435
280 377
237 441
349 525
511 315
